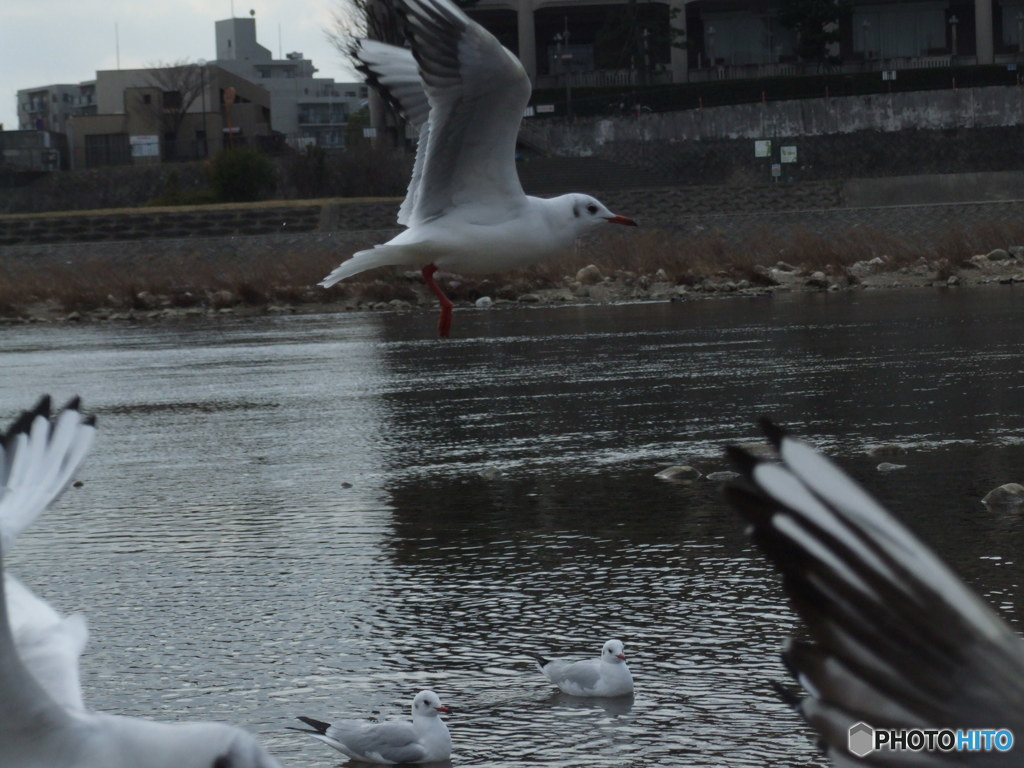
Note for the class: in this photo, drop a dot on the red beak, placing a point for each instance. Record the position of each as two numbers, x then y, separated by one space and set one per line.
621 220
622 655
443 709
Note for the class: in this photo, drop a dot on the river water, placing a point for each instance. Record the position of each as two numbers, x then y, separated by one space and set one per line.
321 515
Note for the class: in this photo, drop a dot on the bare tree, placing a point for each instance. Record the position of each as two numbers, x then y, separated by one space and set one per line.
353 19
376 20
181 84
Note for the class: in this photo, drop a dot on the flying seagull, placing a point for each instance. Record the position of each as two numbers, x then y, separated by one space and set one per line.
44 722
465 210
605 676
897 640
424 740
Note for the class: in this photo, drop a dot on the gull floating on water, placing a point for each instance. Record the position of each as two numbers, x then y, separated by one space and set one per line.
605 676
465 210
424 740
43 720
897 640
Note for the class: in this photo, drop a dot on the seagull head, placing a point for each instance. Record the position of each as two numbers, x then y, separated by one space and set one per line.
588 212
428 704
614 651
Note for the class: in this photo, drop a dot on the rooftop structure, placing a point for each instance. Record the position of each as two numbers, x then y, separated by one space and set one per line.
305 108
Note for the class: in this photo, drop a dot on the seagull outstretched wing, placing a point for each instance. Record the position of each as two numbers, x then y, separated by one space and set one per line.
465 96
897 639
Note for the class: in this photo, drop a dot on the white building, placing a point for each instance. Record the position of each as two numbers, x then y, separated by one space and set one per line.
49 107
305 108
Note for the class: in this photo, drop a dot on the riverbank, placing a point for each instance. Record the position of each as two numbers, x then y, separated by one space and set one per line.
679 253
256 275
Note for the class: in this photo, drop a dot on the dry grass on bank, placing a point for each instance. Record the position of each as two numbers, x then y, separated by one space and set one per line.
72 281
90 281
690 258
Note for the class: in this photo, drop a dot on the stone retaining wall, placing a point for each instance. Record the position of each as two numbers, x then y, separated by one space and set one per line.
665 207
158 224
652 206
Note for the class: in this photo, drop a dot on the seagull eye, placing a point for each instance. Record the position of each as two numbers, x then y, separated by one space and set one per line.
591 209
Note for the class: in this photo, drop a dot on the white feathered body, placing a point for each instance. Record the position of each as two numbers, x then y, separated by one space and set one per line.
425 740
591 677
475 239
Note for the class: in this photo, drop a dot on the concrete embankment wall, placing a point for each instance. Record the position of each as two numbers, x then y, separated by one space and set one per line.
899 134
211 222
660 206
887 113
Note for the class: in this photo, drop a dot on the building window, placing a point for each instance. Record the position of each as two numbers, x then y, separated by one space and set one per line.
172 100
107 149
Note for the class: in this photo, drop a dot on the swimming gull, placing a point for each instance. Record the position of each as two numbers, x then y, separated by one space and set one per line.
424 740
605 676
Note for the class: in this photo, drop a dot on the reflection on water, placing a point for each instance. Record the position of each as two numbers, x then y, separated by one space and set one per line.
286 516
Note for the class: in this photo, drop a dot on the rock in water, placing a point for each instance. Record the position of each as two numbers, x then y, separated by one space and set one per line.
678 474
1005 495
722 477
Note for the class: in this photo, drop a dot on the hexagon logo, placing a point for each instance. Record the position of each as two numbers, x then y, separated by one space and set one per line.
861 739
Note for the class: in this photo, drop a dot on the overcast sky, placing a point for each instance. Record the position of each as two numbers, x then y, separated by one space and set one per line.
43 42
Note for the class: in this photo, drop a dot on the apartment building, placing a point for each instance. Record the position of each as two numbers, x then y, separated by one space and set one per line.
304 108
192 110
611 42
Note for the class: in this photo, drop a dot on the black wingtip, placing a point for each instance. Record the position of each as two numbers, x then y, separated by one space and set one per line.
23 423
772 431
539 659
43 406
744 461
789 697
319 726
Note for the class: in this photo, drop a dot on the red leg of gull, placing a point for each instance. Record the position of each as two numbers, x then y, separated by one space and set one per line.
444 323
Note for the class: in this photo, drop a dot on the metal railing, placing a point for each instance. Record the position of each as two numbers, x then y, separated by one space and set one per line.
603 78
792 69
619 78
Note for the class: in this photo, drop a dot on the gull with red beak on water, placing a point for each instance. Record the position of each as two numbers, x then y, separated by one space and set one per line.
465 210
424 740
607 676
